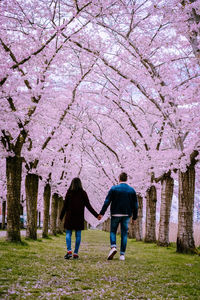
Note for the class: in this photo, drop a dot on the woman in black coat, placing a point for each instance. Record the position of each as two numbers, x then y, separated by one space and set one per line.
76 200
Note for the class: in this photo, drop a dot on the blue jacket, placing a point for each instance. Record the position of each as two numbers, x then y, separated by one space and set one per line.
123 200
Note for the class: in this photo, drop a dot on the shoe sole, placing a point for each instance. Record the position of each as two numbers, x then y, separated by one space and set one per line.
110 257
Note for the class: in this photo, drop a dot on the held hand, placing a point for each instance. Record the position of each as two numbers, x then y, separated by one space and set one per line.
99 217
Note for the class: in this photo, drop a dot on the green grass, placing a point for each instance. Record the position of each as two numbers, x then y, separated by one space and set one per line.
37 270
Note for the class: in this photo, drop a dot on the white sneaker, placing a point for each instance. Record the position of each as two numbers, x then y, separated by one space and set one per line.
112 252
122 257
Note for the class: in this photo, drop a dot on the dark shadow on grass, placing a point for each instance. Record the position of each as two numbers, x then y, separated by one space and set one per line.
33 240
171 246
23 243
57 235
47 237
17 243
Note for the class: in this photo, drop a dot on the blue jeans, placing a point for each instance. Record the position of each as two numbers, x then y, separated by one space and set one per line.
68 240
115 221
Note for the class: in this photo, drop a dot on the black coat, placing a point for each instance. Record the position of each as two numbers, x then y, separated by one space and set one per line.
73 209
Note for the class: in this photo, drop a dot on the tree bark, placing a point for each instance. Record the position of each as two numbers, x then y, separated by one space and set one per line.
39 219
167 187
131 229
13 174
106 225
185 240
59 223
31 187
194 31
3 214
54 212
138 222
85 225
135 229
46 199
151 199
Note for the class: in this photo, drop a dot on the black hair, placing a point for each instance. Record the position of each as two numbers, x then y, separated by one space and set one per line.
75 184
123 177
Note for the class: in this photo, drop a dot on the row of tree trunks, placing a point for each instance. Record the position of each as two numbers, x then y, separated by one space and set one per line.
31 187
135 228
185 240
13 174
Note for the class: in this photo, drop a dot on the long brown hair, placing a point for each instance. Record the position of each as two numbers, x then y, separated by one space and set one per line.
75 184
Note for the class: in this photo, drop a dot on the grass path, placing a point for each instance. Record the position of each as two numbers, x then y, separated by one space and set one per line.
37 270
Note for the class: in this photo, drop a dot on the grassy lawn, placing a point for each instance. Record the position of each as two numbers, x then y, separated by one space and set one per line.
37 270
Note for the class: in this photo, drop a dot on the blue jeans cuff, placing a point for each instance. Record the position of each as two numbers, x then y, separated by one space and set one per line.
113 246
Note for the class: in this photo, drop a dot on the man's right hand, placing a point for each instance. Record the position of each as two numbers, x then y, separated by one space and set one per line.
99 217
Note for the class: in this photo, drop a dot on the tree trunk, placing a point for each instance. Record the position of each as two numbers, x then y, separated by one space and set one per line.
46 199
3 214
151 199
194 32
106 225
167 186
185 240
13 174
138 222
31 186
54 212
60 227
39 219
85 225
131 229
135 229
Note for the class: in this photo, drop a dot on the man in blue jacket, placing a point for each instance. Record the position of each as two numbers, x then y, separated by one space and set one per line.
124 205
